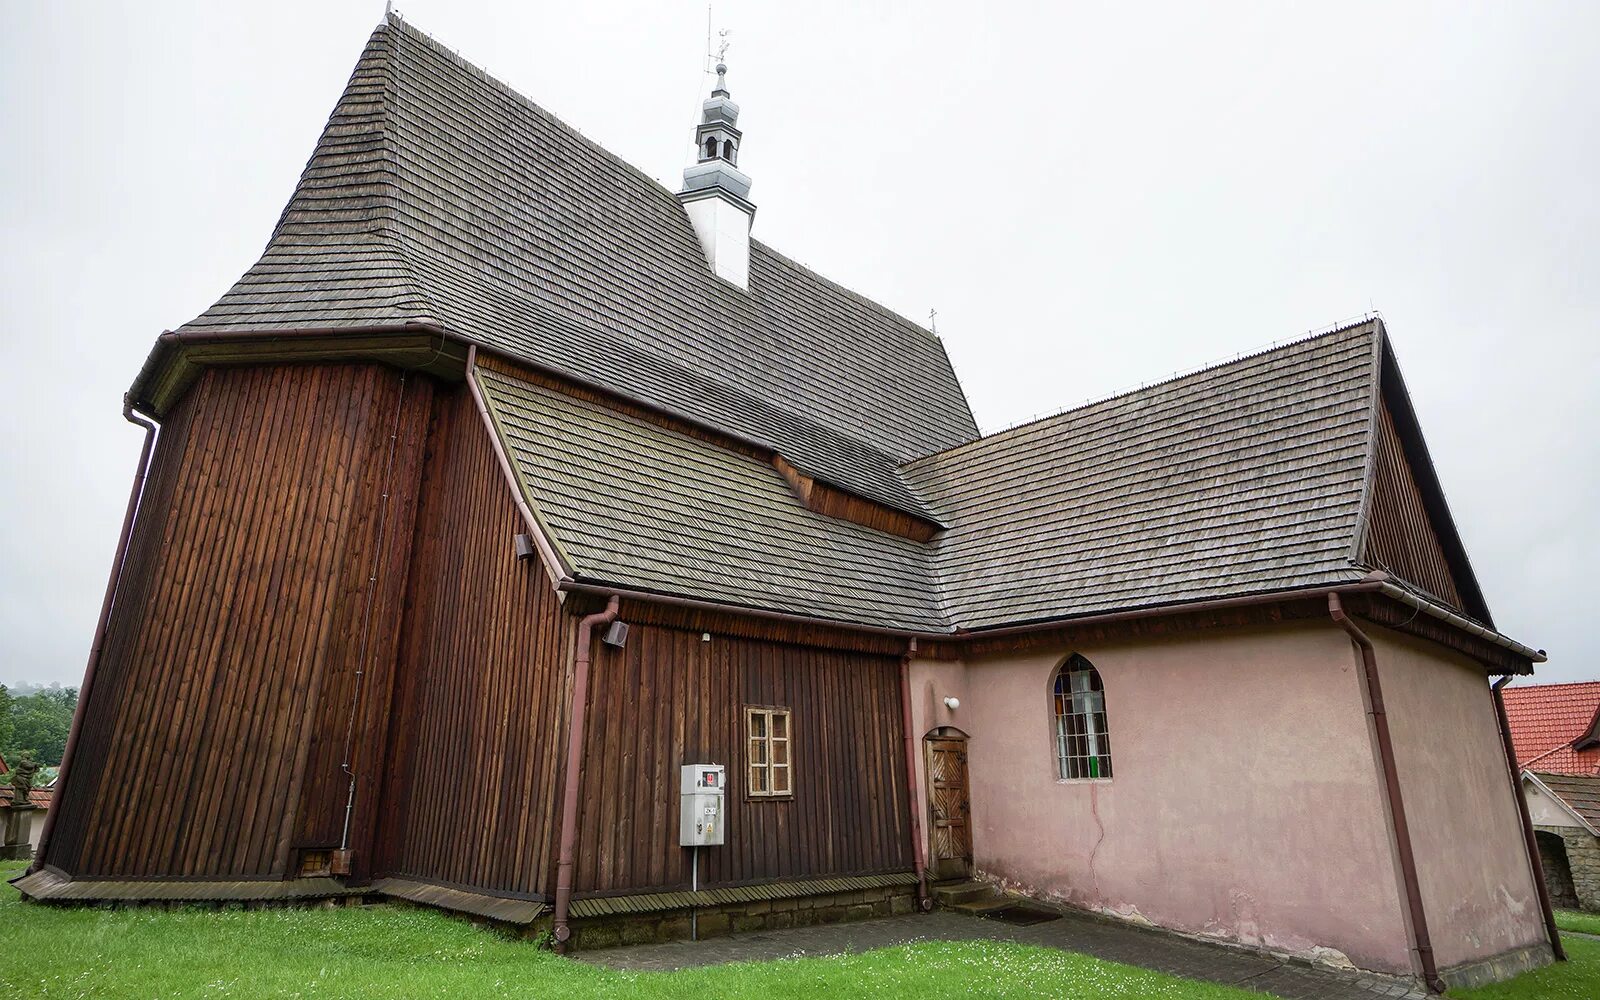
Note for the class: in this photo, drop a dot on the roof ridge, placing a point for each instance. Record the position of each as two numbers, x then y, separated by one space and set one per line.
1275 347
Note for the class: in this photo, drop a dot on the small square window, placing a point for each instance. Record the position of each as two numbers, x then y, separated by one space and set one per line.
770 761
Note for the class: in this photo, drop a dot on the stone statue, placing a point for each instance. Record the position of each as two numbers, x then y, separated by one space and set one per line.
22 780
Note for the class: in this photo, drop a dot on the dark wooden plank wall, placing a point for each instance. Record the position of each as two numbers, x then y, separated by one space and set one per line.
471 797
213 742
669 698
1400 536
231 644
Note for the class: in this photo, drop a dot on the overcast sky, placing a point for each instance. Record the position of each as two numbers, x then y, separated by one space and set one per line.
1091 196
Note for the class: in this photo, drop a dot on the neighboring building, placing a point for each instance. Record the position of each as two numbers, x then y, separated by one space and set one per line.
39 795
1566 817
491 392
1556 730
1556 727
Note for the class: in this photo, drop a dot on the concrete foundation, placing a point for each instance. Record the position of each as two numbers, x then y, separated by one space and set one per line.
738 918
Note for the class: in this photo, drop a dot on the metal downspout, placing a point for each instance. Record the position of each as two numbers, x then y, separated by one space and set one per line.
573 776
913 797
1530 842
141 473
1391 785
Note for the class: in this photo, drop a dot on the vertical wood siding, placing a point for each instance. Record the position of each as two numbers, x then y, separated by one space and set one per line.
473 777
1400 536
669 699
212 741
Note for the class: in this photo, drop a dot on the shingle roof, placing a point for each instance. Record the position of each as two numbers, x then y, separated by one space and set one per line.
438 195
1243 478
1546 718
1246 478
1580 792
636 504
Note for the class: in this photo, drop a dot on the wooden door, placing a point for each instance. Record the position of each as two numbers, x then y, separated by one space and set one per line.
950 842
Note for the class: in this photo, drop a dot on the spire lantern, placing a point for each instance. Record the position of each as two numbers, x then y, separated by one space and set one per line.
715 191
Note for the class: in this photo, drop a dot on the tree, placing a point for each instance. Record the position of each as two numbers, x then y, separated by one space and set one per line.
40 722
7 727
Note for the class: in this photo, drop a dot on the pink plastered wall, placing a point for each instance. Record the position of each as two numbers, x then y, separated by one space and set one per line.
1245 802
1472 864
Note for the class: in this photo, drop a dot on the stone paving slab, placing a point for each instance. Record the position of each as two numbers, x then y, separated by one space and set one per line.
1147 948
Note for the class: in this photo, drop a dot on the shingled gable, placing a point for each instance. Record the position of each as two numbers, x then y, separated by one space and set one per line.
1241 479
1254 477
438 197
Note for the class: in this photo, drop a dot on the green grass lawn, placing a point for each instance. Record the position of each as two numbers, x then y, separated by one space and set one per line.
1578 978
396 951
1572 920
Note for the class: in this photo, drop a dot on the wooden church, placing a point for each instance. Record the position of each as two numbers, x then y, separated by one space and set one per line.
508 483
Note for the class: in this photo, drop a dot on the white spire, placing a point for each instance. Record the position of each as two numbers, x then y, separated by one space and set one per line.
715 191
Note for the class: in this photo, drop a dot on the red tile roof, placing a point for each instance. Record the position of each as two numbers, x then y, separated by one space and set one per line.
38 796
1547 718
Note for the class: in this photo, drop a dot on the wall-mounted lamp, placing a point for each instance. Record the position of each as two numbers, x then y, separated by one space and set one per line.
616 635
952 703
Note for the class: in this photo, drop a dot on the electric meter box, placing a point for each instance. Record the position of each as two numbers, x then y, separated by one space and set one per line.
700 813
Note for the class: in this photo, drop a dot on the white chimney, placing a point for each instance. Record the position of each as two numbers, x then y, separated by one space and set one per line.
715 190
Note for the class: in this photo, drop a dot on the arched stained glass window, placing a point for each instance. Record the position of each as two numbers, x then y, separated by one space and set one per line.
1083 743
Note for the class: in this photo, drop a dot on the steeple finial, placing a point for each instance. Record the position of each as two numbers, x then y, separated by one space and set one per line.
722 65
